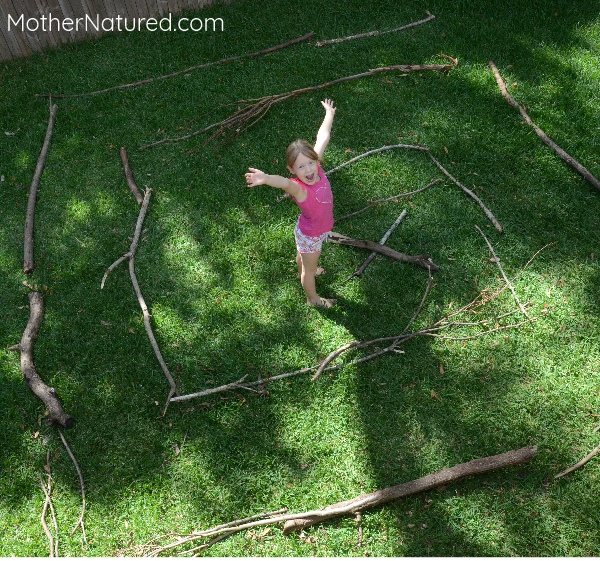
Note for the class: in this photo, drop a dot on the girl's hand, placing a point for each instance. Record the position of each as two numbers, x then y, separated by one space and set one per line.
255 177
328 106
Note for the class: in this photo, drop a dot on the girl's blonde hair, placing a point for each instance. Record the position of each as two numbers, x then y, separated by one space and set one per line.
299 147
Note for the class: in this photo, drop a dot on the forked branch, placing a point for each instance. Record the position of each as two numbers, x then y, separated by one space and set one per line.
250 111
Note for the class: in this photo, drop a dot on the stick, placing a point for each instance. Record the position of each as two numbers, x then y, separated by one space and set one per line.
374 33
187 70
543 136
30 216
383 240
580 463
377 151
129 176
443 477
47 503
394 198
420 260
250 111
487 211
136 287
80 522
496 260
446 476
56 414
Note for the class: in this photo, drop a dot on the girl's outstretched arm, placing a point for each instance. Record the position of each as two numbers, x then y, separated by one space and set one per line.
324 133
256 177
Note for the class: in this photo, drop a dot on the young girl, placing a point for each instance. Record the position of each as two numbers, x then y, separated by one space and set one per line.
311 191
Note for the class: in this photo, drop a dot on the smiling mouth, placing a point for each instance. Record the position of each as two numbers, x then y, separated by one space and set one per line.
310 177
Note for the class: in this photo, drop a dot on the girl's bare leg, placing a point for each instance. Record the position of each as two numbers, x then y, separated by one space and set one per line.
320 270
310 262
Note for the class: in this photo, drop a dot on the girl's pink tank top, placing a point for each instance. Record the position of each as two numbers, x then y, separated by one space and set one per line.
316 216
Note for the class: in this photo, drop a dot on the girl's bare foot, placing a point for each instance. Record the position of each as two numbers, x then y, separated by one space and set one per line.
322 302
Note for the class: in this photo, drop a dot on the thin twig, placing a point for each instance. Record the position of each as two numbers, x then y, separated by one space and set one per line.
394 199
580 463
541 134
186 70
373 254
487 211
377 151
421 148
374 33
129 176
434 330
48 503
497 261
80 522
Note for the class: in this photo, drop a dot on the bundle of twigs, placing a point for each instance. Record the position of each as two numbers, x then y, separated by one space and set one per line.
250 111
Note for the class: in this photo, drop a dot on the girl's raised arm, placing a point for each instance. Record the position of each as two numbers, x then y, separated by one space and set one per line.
324 133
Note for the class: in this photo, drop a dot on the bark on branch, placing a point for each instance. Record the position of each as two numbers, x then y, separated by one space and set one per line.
543 136
30 216
443 477
420 260
129 176
44 392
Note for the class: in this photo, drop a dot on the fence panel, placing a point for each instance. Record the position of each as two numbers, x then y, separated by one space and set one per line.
28 26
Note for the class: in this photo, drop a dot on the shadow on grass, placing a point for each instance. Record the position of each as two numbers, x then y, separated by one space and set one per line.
216 270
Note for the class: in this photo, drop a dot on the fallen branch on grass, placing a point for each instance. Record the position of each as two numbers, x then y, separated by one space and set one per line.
431 481
580 463
130 255
388 199
486 210
129 176
496 260
250 111
383 240
375 33
420 260
543 136
47 489
80 522
421 148
47 394
298 521
377 151
31 201
186 70
448 322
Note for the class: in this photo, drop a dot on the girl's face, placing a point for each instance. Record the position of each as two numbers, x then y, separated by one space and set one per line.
305 169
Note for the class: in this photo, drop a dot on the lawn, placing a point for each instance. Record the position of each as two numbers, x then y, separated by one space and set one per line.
216 267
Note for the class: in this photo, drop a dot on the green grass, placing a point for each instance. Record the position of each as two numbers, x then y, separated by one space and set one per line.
216 269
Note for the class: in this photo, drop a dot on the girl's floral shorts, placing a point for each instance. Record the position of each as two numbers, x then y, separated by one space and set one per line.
308 244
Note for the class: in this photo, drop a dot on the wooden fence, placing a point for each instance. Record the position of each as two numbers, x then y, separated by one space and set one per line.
28 26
